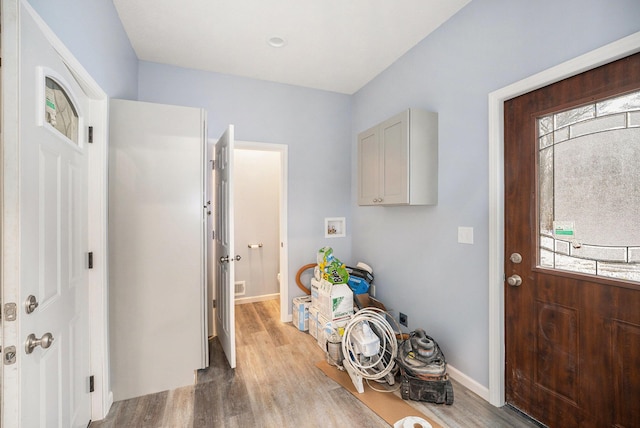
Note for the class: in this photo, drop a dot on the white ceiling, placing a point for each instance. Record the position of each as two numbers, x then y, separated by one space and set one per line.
334 45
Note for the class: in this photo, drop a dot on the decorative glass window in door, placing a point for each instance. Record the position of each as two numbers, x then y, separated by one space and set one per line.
589 188
59 111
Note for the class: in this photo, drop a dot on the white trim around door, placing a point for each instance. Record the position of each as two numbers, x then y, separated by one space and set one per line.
611 52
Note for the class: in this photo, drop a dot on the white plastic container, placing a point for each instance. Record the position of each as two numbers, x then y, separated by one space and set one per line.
364 340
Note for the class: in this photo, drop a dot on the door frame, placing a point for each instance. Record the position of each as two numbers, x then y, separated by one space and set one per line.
101 399
603 55
284 258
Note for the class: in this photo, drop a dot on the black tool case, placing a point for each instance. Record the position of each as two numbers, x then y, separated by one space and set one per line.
433 391
423 370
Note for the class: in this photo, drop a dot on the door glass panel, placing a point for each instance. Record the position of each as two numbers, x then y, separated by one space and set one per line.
589 188
59 111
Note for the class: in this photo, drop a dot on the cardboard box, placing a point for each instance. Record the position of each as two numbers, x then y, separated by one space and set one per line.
301 312
326 326
335 301
315 286
367 301
389 407
313 321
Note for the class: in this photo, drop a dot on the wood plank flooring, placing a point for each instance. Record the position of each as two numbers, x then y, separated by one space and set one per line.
276 384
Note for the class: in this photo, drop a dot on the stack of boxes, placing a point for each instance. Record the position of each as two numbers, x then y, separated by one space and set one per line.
330 306
331 309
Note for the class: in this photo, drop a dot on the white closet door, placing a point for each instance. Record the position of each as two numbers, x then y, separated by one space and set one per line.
156 238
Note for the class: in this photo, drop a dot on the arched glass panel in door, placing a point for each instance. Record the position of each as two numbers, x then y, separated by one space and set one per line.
589 188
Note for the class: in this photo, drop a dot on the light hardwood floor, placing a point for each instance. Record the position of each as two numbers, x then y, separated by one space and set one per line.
276 384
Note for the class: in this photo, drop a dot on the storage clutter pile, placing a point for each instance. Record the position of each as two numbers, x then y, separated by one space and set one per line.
359 338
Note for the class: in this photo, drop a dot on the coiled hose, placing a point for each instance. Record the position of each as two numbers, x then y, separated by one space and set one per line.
299 274
378 366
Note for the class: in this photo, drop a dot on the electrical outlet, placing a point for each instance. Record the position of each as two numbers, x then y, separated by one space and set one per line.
402 318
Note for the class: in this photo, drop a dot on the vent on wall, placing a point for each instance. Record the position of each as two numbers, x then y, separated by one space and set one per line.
240 288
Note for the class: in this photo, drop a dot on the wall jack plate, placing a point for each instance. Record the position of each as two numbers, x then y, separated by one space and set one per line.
402 318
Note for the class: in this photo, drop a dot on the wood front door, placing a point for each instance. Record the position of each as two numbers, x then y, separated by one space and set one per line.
572 296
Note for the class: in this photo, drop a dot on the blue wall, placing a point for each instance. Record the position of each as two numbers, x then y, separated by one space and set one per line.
315 125
421 270
92 31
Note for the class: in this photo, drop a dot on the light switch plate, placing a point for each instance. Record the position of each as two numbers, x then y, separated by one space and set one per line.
465 235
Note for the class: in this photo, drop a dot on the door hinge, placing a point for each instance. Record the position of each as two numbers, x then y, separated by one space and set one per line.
90 260
214 304
90 135
92 386
213 164
213 235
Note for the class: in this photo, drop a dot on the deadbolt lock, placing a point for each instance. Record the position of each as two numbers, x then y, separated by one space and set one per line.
30 304
516 258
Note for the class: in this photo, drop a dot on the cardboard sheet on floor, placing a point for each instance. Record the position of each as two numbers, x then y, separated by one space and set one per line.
388 406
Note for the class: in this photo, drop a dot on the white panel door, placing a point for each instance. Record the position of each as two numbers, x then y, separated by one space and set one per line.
225 251
158 318
53 237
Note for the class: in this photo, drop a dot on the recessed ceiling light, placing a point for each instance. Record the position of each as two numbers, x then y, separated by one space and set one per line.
276 42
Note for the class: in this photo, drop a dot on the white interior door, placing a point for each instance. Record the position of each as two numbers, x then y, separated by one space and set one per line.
210 239
158 318
53 238
225 251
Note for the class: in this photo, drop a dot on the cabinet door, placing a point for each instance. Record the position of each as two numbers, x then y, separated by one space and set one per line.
394 161
368 167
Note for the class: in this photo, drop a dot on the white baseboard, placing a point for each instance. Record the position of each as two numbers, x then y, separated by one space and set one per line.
108 405
263 298
468 382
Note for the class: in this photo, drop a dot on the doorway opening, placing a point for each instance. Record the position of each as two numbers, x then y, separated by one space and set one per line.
260 217
257 223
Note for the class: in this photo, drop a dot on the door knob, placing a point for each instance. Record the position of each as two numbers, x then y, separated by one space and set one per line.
514 280
227 259
45 341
